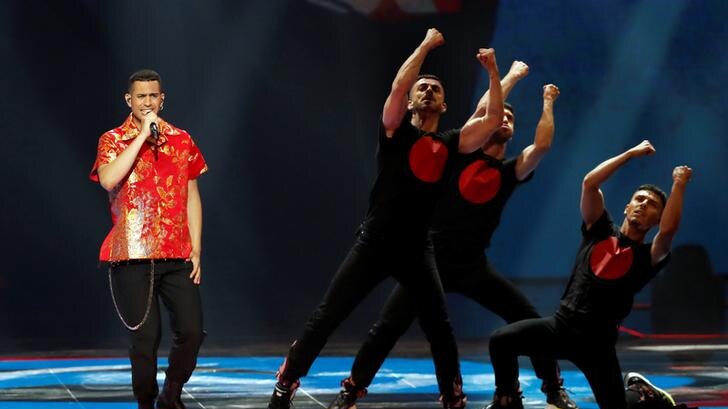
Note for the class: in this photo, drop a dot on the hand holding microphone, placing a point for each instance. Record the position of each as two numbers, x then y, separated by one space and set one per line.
155 130
150 126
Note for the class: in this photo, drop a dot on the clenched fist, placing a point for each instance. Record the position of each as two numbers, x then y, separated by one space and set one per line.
519 69
681 174
643 149
433 39
550 92
486 56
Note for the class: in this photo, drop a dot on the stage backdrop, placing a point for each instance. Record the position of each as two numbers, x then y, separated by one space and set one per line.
284 99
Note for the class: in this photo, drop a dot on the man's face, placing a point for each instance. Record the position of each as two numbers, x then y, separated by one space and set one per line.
427 95
644 209
505 132
144 97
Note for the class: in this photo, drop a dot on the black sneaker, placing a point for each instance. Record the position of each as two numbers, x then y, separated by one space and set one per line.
559 399
506 402
282 395
650 393
171 396
344 400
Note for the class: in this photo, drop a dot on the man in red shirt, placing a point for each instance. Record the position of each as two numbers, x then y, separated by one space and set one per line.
150 169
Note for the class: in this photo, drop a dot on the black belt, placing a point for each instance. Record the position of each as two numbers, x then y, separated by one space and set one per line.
143 261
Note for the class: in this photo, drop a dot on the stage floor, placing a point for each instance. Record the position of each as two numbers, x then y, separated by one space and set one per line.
697 374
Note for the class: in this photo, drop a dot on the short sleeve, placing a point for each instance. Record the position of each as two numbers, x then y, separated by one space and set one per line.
106 152
509 170
382 133
452 139
197 164
603 227
405 127
662 263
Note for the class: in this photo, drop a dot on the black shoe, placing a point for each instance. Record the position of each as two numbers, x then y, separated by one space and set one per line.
651 394
349 393
171 396
506 402
559 399
344 400
283 395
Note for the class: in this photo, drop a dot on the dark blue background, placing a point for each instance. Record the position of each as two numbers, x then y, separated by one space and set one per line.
283 97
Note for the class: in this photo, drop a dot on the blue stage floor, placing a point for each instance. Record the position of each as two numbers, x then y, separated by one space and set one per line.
246 382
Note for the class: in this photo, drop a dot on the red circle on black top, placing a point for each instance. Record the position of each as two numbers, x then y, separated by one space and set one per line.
427 159
609 261
479 182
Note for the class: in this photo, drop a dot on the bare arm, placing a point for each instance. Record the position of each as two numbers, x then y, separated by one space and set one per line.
592 199
532 154
115 171
194 223
396 104
671 215
518 71
479 128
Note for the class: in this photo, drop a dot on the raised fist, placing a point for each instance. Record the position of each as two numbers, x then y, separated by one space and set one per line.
433 39
643 149
681 174
519 69
486 56
550 92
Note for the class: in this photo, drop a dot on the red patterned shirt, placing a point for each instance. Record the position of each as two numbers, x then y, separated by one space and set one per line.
149 206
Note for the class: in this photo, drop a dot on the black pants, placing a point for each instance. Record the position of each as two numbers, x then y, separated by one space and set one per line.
590 348
474 278
182 299
368 263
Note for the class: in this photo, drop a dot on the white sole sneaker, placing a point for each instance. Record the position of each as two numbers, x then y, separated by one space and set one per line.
633 375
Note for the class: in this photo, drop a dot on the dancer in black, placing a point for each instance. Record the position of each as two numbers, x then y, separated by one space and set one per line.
411 159
612 265
477 189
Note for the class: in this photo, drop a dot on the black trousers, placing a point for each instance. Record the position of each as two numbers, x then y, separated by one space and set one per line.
369 262
472 277
182 299
590 348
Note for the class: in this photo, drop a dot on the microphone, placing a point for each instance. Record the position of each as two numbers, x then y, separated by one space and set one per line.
155 130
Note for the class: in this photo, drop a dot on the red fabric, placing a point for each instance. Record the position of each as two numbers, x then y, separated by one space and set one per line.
427 159
388 10
609 261
479 183
149 206
448 6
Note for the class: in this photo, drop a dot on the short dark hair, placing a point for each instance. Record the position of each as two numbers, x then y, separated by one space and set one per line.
428 76
654 189
510 108
145 75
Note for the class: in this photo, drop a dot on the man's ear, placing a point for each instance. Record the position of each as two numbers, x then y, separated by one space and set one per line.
127 98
